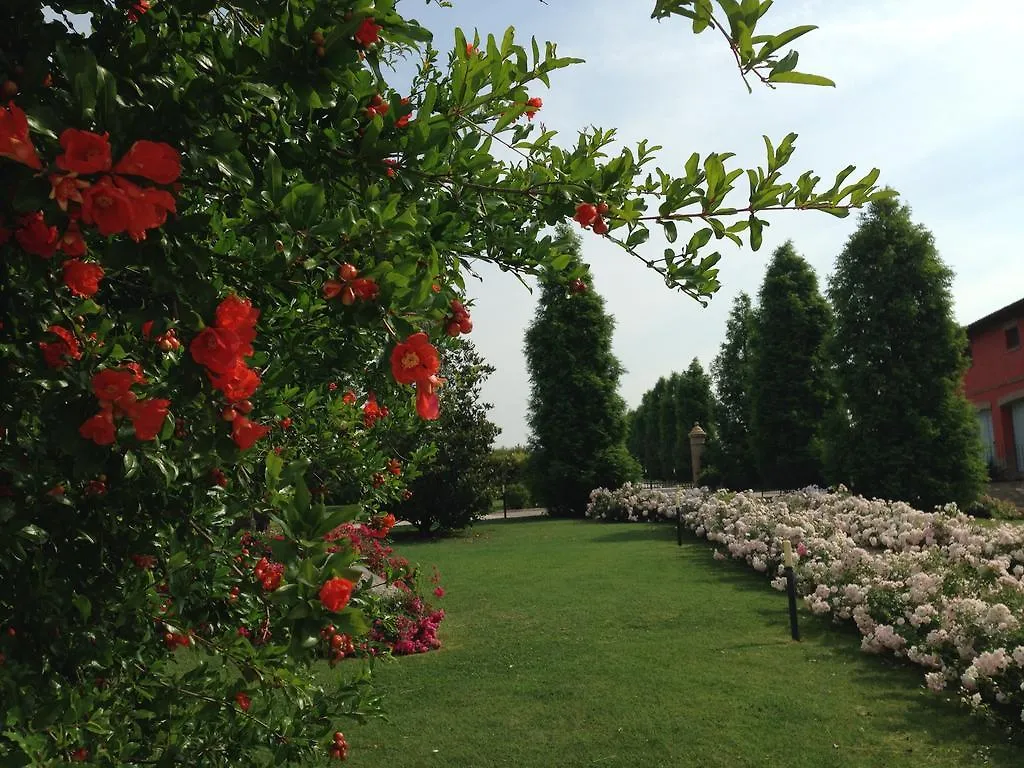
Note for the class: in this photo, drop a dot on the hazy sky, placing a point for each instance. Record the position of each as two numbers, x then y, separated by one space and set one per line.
928 90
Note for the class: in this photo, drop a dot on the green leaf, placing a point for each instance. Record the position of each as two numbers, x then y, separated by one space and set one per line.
272 474
755 232
561 261
303 205
131 465
235 167
801 78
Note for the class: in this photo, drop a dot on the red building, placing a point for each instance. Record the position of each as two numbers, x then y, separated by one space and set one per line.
995 384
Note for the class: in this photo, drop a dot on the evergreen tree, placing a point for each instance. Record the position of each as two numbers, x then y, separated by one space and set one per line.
909 432
792 394
733 375
668 418
695 405
455 487
577 418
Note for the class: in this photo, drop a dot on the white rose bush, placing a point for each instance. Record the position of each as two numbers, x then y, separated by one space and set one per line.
934 588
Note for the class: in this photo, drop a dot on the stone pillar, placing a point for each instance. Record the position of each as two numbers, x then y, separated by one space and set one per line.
697 438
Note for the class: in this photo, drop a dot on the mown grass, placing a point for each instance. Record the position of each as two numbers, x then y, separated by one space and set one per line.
576 644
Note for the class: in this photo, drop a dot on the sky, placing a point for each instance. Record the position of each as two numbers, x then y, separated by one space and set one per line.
927 90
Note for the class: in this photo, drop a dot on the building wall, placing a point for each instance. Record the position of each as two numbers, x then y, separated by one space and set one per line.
995 381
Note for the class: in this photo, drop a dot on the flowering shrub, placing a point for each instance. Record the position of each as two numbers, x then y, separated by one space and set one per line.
932 587
217 224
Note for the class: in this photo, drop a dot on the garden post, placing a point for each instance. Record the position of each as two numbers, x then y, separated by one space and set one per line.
697 438
787 555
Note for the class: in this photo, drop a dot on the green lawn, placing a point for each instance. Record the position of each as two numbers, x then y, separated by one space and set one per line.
576 644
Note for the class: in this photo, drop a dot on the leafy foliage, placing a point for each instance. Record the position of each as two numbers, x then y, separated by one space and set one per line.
577 418
454 485
732 454
660 426
910 433
288 178
792 393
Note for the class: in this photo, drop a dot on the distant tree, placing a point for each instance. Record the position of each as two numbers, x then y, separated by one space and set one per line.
454 488
792 393
577 418
732 371
668 427
509 472
909 432
695 404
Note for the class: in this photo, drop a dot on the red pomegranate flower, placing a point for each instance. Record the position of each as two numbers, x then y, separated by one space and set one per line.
72 243
14 139
237 384
367 34
111 384
99 428
66 188
56 353
152 160
217 349
84 151
335 593
415 359
82 278
243 701
533 106
245 433
35 236
108 207
148 417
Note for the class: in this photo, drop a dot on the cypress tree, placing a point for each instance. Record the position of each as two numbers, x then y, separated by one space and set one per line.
695 405
668 409
909 432
792 394
577 418
732 371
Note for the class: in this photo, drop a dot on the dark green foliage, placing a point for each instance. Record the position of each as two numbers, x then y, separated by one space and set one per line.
509 472
732 454
455 486
660 426
792 394
577 418
909 434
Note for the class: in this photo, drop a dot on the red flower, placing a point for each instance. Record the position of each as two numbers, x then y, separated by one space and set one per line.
14 139
148 417
152 160
108 207
80 755
245 433
244 702
216 348
84 151
240 316
149 207
335 593
349 398
237 384
99 428
82 278
138 8
57 352
331 288
427 404
439 591
367 34
585 214
34 236
66 188
415 359
533 106
371 411
110 384
73 244
366 288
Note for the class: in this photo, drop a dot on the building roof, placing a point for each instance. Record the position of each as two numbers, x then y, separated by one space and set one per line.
1010 311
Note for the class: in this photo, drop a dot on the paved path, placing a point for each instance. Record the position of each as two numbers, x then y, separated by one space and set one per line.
535 512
